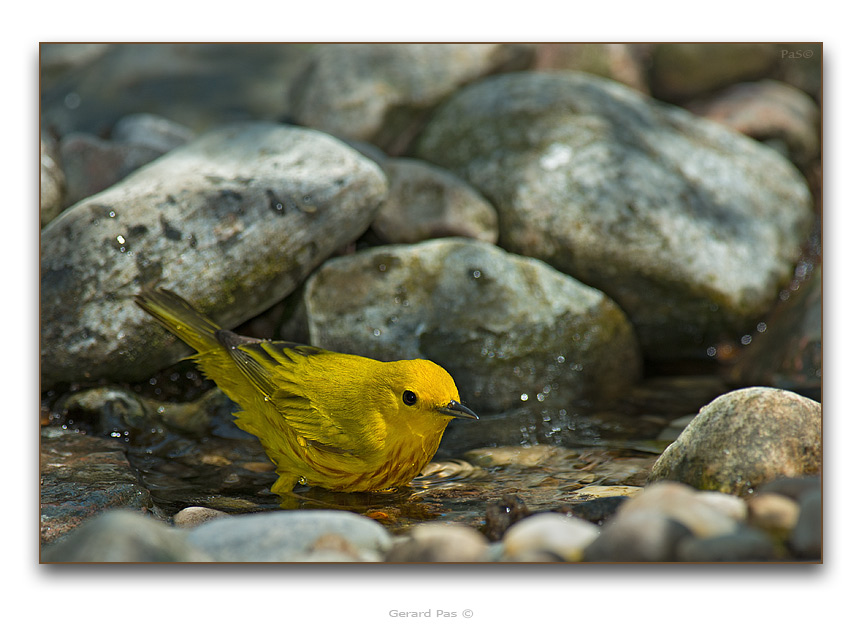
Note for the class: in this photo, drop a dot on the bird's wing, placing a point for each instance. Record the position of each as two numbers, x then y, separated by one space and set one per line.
280 371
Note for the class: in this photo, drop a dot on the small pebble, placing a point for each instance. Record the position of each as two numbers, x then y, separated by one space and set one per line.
549 533
806 538
192 516
744 544
732 506
641 535
440 542
500 515
596 510
773 512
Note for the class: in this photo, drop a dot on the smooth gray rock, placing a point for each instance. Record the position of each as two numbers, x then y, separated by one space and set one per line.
428 202
685 70
52 181
510 330
232 221
690 227
378 92
440 542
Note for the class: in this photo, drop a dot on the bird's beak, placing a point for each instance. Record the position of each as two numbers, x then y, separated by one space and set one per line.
456 409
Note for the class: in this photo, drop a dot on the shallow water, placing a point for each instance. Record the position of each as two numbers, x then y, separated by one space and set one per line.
539 457
546 464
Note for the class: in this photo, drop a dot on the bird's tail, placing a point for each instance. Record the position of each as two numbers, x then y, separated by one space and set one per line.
179 317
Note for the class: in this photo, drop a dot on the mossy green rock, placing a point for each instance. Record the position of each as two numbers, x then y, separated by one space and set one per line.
743 439
232 221
508 328
690 227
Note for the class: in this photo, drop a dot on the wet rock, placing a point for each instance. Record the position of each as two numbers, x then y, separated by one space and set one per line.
380 92
773 513
232 221
793 488
801 65
192 516
640 536
440 542
288 535
743 439
744 544
691 228
786 349
82 476
807 537
502 514
427 202
52 181
198 85
124 536
623 63
608 491
106 411
781 116
681 71
92 164
509 329
551 533
59 58
596 510
152 131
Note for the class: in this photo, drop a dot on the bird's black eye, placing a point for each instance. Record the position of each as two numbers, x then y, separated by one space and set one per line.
409 398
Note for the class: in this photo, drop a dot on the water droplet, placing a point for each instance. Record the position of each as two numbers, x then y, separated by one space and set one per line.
382 267
160 410
561 359
376 332
541 398
784 295
746 339
302 480
72 100
524 397
121 335
711 351
761 327
121 240
476 274
112 214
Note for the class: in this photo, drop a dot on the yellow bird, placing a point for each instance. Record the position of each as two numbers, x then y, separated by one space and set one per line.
339 421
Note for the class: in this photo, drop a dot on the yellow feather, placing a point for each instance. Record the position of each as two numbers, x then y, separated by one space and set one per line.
339 421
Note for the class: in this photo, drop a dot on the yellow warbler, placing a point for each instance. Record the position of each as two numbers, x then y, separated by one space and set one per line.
339 421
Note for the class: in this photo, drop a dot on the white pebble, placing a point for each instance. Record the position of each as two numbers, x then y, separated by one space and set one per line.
549 532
